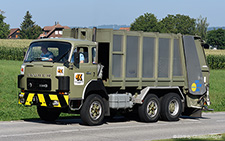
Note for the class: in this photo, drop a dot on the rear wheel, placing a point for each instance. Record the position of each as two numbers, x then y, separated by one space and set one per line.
48 114
150 109
171 107
93 110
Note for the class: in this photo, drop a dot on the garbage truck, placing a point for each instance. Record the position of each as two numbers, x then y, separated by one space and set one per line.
95 72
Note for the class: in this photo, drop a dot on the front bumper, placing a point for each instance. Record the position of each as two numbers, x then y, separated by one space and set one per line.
43 99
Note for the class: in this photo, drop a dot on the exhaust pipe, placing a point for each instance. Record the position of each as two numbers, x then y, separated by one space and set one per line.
94 34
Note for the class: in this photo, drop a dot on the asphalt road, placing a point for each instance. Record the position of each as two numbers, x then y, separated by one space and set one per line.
119 129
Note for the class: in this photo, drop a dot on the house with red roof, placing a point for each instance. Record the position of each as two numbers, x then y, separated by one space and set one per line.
125 28
14 33
54 31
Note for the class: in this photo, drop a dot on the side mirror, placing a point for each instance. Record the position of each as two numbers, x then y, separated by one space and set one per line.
76 59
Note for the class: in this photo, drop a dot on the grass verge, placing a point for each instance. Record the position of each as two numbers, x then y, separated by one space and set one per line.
214 137
217 90
9 109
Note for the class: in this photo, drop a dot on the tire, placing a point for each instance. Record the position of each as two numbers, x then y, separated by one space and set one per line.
93 110
171 107
150 109
48 114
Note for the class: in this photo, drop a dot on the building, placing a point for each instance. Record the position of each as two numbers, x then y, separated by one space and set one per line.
54 31
125 28
14 33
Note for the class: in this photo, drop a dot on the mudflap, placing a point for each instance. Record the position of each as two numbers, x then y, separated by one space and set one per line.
192 112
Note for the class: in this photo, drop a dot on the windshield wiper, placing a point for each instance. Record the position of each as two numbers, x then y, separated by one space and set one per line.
62 56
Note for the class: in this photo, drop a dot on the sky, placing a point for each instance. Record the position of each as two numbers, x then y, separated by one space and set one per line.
84 13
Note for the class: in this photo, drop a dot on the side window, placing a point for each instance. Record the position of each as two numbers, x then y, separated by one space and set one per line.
94 58
81 53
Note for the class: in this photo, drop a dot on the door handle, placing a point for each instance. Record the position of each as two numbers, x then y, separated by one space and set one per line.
88 73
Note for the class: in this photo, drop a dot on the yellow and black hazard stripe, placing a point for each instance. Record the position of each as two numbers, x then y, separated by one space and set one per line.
45 100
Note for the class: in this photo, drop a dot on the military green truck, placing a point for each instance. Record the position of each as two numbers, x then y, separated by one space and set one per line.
95 72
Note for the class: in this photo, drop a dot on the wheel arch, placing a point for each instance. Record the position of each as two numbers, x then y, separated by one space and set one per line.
160 92
97 87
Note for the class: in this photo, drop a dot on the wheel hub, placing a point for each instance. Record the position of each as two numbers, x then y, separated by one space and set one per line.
173 107
152 108
95 110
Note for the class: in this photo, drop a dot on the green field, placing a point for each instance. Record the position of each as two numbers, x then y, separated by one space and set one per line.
21 43
10 110
214 52
217 89
25 43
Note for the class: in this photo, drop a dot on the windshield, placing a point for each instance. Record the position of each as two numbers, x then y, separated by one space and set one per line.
53 51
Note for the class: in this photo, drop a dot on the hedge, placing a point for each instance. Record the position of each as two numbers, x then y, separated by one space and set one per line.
214 61
11 53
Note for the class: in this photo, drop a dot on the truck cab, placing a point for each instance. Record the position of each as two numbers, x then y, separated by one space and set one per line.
60 81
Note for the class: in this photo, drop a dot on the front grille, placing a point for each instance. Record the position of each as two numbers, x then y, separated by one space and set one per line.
38 84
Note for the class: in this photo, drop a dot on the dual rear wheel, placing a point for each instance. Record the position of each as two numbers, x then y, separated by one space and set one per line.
171 107
168 108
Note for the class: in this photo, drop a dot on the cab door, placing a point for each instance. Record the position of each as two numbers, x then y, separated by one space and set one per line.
83 72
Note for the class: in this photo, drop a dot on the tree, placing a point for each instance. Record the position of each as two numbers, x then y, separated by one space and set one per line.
4 28
179 24
147 23
216 38
29 30
201 27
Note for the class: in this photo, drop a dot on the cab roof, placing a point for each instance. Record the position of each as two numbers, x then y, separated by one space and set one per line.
69 40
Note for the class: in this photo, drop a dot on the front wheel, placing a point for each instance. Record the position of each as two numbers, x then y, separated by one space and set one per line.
92 111
48 114
150 109
171 107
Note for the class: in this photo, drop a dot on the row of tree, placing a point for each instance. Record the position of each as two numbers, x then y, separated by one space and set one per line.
29 30
180 24
171 24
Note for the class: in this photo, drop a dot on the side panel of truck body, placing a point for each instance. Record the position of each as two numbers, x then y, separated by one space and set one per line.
138 59
135 59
